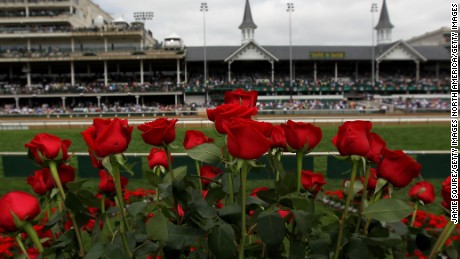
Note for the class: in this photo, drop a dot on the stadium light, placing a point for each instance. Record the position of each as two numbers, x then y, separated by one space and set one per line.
204 9
290 10
374 9
143 16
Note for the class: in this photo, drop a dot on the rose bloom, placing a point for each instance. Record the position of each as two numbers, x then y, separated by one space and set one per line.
225 113
158 132
42 181
22 204
278 138
372 183
398 168
244 140
195 138
355 138
423 191
108 136
241 97
210 172
158 157
302 136
256 190
49 147
446 193
311 181
107 184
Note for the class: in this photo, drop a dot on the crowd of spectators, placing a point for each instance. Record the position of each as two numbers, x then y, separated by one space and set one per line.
419 104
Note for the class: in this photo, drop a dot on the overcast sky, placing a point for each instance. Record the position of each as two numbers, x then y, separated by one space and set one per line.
314 22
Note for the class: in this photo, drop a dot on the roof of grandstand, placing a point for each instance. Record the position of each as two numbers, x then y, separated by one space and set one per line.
355 53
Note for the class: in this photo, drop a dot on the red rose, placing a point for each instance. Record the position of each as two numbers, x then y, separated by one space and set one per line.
48 147
311 181
194 138
95 161
158 157
241 97
41 181
353 138
286 214
228 112
423 191
108 136
372 183
158 132
446 193
245 141
256 190
398 168
66 174
107 184
377 145
302 136
277 137
22 204
210 172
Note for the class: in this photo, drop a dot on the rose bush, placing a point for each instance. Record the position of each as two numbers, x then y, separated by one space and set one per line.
185 215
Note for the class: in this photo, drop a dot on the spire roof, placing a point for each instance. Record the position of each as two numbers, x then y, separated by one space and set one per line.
247 18
384 21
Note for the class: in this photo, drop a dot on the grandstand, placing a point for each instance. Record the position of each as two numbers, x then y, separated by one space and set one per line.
53 59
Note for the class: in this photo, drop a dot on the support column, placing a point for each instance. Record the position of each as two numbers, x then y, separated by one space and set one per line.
377 71
72 73
229 71
315 71
336 72
178 72
293 72
142 71
273 71
98 102
63 102
356 71
106 74
137 99
28 44
142 44
175 99
105 44
185 73
17 102
417 70
72 44
29 75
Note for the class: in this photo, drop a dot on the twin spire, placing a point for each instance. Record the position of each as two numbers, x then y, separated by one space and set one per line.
383 27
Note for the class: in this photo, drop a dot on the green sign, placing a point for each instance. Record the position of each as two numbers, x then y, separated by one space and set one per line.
326 55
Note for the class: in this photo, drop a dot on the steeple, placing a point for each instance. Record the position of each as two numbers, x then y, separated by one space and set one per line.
248 26
384 26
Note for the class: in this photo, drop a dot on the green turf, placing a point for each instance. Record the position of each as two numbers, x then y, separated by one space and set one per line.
407 137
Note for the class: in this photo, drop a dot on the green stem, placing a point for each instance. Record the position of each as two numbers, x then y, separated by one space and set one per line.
106 217
299 155
376 197
445 234
232 193
121 206
198 172
354 171
21 246
33 236
57 180
244 173
414 215
170 169
363 196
